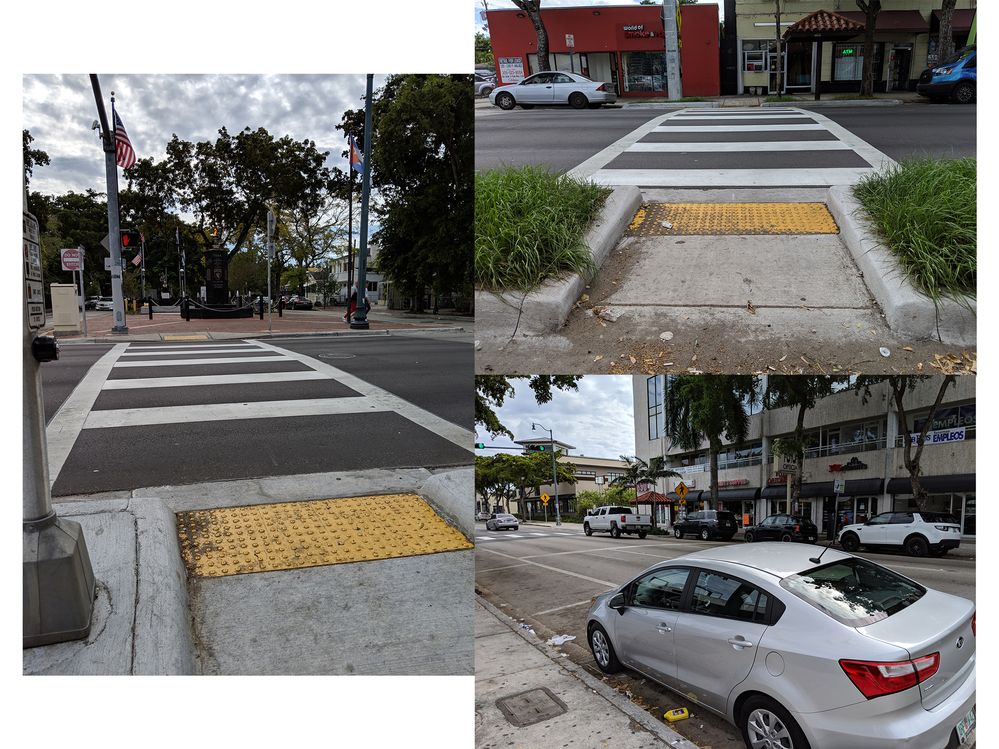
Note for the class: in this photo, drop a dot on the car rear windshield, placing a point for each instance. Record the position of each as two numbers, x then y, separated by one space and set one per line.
619 511
853 591
725 516
938 517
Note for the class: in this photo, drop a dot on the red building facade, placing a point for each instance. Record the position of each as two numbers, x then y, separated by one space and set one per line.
622 45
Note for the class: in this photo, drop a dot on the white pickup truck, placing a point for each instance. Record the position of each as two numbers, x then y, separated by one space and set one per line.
616 520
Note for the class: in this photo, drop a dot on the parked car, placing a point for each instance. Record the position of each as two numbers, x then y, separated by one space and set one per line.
500 521
782 527
105 303
798 651
482 516
616 520
91 302
956 78
916 533
484 84
554 87
298 302
706 524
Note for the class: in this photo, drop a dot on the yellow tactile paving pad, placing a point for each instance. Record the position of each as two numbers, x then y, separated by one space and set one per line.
185 338
293 535
666 219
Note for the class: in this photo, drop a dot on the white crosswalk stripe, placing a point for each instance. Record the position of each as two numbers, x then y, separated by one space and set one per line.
762 148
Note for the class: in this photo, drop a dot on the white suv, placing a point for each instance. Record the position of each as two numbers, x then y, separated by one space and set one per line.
917 533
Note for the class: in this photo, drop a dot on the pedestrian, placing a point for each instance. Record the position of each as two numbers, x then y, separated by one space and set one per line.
352 304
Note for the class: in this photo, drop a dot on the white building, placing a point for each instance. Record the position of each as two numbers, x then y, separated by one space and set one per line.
341 274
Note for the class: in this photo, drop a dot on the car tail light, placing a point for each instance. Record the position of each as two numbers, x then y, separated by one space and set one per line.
797 529
973 631
878 678
602 87
623 519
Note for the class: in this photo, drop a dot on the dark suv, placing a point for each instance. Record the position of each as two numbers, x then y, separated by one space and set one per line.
783 527
706 524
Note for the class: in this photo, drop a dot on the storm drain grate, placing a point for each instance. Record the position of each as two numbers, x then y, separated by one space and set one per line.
671 219
530 707
293 535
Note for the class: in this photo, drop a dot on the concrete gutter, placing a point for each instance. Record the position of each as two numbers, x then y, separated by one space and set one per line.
835 103
907 310
544 310
221 336
670 105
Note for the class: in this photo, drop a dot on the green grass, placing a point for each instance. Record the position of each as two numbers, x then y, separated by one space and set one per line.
925 211
782 98
529 226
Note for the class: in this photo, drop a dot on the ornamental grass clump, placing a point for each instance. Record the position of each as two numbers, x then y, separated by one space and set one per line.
925 212
529 226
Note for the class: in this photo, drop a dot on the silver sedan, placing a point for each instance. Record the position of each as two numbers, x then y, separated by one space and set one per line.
501 521
798 650
554 87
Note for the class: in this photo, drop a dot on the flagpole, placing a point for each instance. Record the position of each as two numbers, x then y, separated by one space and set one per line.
142 269
350 234
360 321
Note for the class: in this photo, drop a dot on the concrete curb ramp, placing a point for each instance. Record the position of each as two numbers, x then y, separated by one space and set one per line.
513 313
908 311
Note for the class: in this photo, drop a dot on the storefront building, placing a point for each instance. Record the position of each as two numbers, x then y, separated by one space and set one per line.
621 45
851 446
905 43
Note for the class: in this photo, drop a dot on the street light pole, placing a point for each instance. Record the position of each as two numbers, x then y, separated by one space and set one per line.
551 438
360 320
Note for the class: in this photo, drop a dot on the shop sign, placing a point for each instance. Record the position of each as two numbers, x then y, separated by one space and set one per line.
638 31
778 478
732 482
511 69
854 464
940 435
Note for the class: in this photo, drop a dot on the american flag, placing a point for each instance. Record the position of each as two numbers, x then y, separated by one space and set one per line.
124 154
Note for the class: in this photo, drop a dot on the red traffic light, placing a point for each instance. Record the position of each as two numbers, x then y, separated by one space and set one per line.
130 239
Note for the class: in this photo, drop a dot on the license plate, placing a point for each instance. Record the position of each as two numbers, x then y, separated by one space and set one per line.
965 726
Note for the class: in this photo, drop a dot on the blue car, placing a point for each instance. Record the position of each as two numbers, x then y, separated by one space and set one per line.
954 79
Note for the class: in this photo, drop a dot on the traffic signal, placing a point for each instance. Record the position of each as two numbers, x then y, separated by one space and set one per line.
538 448
480 445
130 240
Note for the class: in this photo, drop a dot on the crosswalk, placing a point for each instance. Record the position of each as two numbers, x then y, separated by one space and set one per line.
150 414
513 536
733 148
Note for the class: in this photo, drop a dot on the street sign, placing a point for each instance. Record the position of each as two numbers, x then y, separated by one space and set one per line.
105 242
839 486
791 468
72 258
681 490
570 41
34 297
544 499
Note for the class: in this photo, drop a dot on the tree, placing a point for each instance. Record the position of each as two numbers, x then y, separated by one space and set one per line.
801 392
422 164
533 10
483 49
871 9
945 44
639 472
780 57
506 476
491 392
32 157
900 385
707 408
493 480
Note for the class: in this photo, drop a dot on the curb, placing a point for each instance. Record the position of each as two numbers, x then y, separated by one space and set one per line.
551 303
907 310
835 103
673 105
449 494
622 703
220 336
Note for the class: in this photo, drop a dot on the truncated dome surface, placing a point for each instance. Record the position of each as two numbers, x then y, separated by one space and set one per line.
664 219
293 535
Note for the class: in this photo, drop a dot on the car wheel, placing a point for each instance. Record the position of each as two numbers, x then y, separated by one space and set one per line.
704 534
785 537
749 538
603 651
642 534
505 101
615 532
487 90
489 527
587 530
964 93
916 546
516 527
765 724
850 542
677 533
578 100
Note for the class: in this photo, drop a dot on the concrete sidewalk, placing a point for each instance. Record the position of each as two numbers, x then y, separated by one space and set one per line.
529 695
404 615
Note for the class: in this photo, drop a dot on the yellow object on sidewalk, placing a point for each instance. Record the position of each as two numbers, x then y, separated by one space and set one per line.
672 716
678 219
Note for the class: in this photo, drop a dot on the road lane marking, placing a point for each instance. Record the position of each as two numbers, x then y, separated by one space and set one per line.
587 602
744 116
553 569
195 362
479 570
196 380
741 146
734 128
194 347
861 147
121 417
202 350
464 438
731 177
65 426
602 158
588 551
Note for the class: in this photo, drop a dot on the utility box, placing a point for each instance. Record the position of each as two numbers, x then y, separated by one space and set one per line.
65 308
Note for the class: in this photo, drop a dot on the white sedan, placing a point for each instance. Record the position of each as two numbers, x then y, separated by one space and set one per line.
554 87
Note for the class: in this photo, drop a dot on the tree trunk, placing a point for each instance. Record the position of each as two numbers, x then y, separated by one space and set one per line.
871 9
533 10
713 449
945 44
799 429
911 458
780 61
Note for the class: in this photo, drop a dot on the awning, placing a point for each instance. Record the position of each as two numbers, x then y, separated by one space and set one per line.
958 482
960 21
733 495
651 498
813 489
825 25
692 496
906 21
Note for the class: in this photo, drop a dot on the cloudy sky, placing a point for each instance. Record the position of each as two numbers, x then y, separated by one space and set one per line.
597 419
59 111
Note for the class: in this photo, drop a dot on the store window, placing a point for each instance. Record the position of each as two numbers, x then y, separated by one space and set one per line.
754 55
968 526
654 388
848 60
644 72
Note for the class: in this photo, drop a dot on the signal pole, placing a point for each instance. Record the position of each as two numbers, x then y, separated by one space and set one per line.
558 513
360 320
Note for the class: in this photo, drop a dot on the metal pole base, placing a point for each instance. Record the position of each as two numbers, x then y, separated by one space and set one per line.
58 582
122 330
356 324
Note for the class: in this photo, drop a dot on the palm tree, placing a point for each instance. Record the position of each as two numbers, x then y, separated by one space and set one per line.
708 408
640 472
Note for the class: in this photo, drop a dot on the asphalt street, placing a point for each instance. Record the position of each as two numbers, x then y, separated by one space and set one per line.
148 414
547 576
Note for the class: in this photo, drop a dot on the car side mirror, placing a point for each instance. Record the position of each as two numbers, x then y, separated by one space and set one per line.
618 603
